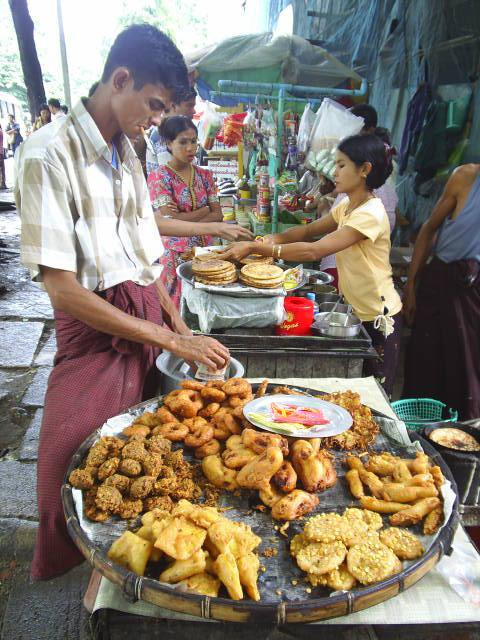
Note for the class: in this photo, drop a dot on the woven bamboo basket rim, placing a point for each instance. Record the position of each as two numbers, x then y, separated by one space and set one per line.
136 587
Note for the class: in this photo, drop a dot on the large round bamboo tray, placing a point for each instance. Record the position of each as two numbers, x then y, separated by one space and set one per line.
311 609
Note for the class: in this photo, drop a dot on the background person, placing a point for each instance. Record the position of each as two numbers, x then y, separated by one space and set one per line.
2 162
14 137
359 234
44 117
442 300
55 108
185 193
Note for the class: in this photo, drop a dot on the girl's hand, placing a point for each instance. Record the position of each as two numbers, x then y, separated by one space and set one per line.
238 251
233 232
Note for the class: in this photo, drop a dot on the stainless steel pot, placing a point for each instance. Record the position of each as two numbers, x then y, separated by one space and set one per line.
337 325
328 306
327 297
174 370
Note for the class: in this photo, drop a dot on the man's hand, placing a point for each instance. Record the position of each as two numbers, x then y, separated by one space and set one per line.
238 251
233 232
409 303
202 349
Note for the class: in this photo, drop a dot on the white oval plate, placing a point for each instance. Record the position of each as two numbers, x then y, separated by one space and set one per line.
340 419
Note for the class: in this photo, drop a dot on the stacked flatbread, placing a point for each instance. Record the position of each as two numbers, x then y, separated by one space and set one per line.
215 272
262 276
256 258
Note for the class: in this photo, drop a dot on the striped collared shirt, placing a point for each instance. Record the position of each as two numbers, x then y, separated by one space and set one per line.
81 214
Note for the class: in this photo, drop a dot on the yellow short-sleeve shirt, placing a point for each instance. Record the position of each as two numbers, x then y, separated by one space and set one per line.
364 271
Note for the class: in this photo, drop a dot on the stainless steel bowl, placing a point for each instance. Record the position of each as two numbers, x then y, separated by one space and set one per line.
327 297
328 306
333 325
323 288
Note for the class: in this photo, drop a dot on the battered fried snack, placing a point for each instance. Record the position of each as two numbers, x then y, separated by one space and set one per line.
136 429
180 539
371 562
414 514
437 476
433 521
129 508
192 385
130 467
269 495
294 505
212 394
285 478
257 473
226 569
237 387
248 566
238 457
321 557
131 551
380 465
199 435
95 514
108 498
153 464
404 544
372 481
354 483
218 474
202 583
401 493
262 389
122 483
210 448
158 502
81 479
182 569
401 472
96 456
340 579
297 543
381 506
364 429
134 451
164 415
173 431
141 487
326 527
258 441
107 468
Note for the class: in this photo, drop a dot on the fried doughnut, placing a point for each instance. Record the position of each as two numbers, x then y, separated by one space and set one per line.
212 394
136 429
239 401
192 385
210 410
183 407
81 479
193 423
199 436
237 387
173 431
164 415
215 384
210 448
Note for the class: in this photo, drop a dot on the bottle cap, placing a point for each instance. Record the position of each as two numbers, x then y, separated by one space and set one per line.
311 296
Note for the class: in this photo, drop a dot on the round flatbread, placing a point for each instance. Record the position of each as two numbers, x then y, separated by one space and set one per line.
402 542
355 532
321 557
207 257
262 271
370 562
326 527
212 266
256 258
261 285
340 579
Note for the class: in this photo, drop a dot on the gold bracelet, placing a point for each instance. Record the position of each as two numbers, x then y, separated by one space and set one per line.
279 251
273 250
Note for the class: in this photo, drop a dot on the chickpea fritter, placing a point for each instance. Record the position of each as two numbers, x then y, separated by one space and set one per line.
158 444
186 489
122 483
96 456
134 451
108 498
81 479
108 468
129 508
130 467
152 464
113 444
164 486
97 515
142 487
158 502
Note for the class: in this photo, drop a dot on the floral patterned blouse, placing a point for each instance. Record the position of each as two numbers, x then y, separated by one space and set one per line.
167 186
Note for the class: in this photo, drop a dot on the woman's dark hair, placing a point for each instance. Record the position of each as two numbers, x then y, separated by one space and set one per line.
173 126
369 148
150 56
367 112
43 107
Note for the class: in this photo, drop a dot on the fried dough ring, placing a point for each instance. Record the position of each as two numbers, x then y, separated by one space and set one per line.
239 401
192 385
211 394
210 410
237 387
181 403
193 423
173 431
215 384
199 436
210 448
164 415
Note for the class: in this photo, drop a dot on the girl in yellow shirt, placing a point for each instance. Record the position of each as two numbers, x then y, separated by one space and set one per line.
358 232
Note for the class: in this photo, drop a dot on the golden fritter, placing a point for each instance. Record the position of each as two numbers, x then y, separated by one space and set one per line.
130 467
182 569
140 430
186 489
113 444
257 473
294 505
141 487
202 583
180 539
108 498
95 514
158 502
97 454
134 451
164 486
152 464
129 508
108 468
285 478
81 479
122 483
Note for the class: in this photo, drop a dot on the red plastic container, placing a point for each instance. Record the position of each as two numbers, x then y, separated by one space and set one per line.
299 317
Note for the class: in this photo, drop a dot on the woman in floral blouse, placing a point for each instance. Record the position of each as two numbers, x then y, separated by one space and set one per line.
183 191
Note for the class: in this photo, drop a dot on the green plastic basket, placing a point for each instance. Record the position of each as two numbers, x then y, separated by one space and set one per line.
419 412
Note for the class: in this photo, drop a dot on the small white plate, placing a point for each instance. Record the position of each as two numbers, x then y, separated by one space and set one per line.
339 419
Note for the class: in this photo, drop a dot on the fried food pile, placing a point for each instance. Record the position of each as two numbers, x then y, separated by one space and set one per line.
214 271
340 551
200 550
127 477
408 489
364 429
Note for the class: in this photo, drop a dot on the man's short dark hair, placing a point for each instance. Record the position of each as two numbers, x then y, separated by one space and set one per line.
367 112
186 96
53 102
64 108
150 56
